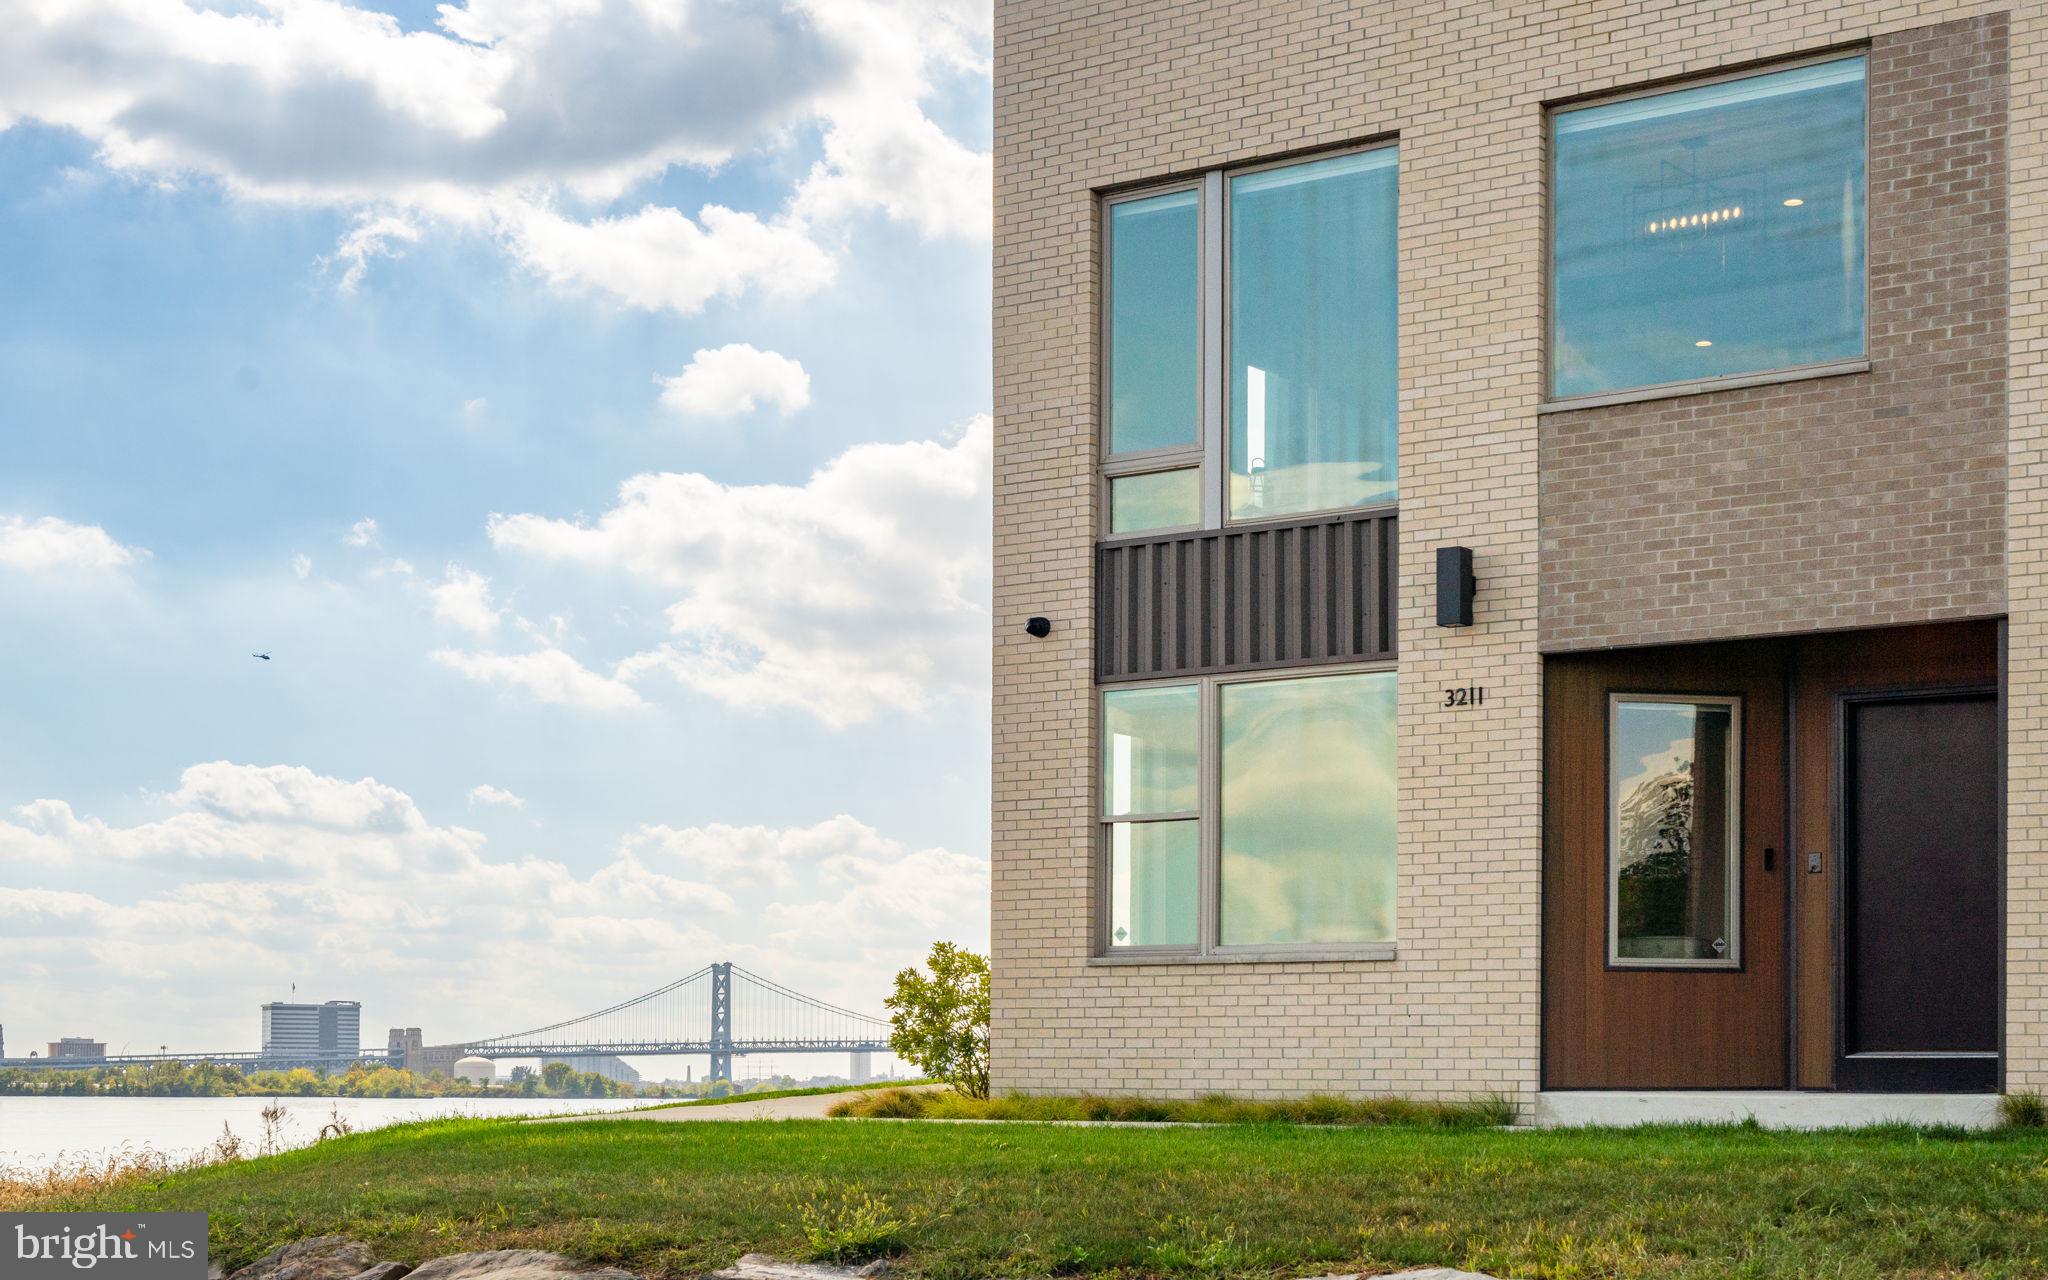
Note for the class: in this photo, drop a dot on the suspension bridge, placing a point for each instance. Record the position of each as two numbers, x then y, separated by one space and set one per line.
719 1012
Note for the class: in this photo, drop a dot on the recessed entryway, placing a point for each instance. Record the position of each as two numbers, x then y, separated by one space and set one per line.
1775 864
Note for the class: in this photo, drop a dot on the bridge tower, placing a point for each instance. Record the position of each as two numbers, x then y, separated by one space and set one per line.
721 1021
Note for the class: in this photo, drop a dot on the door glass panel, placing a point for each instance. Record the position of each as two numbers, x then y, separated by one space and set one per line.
1312 335
1308 810
1155 297
1674 828
1155 500
1154 878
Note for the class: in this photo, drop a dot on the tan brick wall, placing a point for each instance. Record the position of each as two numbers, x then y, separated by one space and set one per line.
1091 96
2026 845
1870 499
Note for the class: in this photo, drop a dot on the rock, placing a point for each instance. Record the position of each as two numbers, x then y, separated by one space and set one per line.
511 1264
318 1258
383 1271
765 1266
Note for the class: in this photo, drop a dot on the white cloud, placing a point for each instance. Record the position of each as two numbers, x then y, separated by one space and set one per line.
372 237
474 408
866 588
548 674
463 599
317 100
51 545
302 565
723 381
508 110
497 797
881 150
657 259
363 533
179 925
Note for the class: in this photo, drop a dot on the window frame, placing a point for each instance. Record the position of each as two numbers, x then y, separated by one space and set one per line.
1860 363
1737 886
1208 814
1209 455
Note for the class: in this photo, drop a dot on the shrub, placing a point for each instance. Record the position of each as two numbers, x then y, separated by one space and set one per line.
940 1022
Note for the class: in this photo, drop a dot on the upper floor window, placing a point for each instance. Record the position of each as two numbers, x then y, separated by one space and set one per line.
1251 344
1155 323
1709 232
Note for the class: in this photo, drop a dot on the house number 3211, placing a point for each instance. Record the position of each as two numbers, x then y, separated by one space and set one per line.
1472 695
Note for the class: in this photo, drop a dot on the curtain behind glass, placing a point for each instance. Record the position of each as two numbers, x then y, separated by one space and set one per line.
1312 335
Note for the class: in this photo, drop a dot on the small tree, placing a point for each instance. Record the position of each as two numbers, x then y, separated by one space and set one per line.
940 1022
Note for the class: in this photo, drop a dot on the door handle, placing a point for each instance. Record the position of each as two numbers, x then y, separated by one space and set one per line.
1770 858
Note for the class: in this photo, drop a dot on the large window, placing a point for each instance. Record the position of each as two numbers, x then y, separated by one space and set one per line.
1709 232
1251 345
1674 831
1249 813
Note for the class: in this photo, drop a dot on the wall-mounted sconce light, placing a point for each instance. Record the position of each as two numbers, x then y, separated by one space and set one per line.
1039 628
1455 586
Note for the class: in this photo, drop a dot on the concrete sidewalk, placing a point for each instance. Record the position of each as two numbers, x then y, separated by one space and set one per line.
806 1107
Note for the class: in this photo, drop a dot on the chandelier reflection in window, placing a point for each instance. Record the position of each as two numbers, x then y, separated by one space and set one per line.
1684 214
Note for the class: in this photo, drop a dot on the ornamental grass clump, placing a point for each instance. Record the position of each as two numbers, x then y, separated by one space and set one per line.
2023 1111
1488 1111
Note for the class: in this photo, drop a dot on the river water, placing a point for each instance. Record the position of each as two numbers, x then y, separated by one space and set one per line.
39 1133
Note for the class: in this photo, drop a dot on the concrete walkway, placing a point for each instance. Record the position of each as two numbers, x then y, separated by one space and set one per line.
807 1107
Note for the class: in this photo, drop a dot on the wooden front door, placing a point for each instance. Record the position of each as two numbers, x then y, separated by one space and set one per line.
1664 869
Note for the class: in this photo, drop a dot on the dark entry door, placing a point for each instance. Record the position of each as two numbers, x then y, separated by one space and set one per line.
1664 875
1921 941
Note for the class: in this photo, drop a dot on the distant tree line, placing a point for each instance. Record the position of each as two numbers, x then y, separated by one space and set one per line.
214 1080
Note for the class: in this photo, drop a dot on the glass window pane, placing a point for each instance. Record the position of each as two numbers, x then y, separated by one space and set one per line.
1709 231
1156 500
1672 788
1151 753
1312 335
1308 810
1155 299
1155 873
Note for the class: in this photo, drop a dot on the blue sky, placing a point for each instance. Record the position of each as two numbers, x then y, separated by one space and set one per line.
584 403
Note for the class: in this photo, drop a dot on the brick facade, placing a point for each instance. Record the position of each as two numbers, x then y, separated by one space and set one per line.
1862 500
1090 97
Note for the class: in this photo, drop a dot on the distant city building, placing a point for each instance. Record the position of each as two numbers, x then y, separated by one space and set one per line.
609 1065
78 1047
434 1059
312 1030
403 1045
476 1070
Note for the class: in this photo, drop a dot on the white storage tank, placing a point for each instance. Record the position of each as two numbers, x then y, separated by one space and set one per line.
476 1070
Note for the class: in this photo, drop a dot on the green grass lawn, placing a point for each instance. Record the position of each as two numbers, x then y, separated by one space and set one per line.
1010 1200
